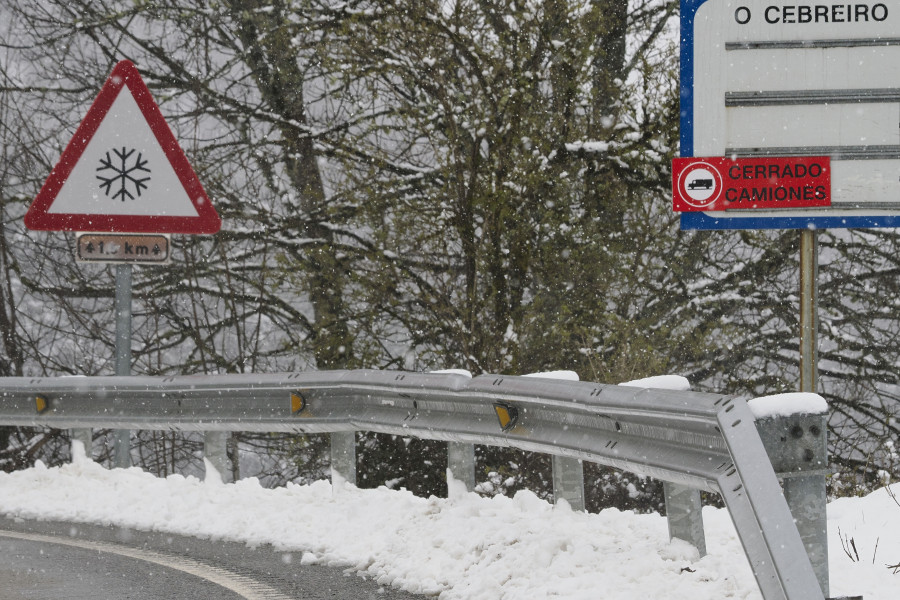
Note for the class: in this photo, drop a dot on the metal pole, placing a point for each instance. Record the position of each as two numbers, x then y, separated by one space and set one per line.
122 437
798 450
806 495
809 304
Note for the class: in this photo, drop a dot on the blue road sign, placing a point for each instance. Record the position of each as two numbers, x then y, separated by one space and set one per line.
763 102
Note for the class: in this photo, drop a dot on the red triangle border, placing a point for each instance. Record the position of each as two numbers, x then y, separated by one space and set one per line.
125 74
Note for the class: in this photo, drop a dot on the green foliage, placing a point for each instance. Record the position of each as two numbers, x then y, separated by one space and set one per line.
507 160
608 488
402 462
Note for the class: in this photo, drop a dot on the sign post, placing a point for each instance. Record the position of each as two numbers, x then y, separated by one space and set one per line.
122 437
123 173
809 308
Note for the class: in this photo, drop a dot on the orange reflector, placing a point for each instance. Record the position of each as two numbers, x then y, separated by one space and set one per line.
507 415
40 404
297 402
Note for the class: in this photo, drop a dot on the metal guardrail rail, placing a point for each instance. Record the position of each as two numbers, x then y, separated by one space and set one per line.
697 440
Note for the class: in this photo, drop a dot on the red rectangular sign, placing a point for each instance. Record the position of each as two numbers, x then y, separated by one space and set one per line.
719 183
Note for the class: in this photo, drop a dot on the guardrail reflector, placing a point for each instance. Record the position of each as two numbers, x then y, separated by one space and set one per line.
41 404
298 403
507 415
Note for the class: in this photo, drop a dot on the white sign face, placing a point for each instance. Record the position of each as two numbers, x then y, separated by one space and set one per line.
801 78
123 171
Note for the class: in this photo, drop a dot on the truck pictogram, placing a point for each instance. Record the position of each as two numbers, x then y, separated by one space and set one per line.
700 184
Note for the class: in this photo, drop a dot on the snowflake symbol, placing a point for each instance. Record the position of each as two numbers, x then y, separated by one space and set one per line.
123 177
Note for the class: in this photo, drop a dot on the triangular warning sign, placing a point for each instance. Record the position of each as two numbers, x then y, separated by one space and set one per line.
123 171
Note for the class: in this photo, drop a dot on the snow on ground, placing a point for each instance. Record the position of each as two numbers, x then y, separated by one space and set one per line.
464 547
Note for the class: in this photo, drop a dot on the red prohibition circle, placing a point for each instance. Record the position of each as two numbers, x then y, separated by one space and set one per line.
692 185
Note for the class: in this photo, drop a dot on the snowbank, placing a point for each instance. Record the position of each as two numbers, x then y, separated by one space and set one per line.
465 547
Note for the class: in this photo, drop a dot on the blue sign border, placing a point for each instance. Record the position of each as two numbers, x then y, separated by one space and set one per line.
688 12
704 221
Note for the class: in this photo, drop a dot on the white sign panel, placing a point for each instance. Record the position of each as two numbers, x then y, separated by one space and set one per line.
794 78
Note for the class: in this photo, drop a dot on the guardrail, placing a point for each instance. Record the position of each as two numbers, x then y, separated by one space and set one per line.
693 441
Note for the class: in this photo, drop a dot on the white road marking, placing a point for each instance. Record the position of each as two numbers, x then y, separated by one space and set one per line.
239 584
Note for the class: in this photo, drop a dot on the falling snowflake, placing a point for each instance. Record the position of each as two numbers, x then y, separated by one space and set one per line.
122 179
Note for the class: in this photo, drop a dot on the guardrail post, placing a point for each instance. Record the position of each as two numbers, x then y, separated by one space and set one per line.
684 516
343 458
461 463
86 437
215 450
797 447
568 481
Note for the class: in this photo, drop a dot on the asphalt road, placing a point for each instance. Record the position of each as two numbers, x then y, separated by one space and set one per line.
56 561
